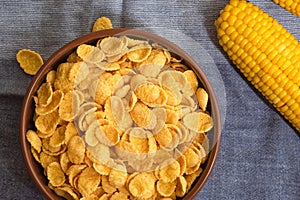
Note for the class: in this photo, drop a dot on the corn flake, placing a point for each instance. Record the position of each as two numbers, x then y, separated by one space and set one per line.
76 150
102 23
44 94
30 61
56 100
55 174
34 140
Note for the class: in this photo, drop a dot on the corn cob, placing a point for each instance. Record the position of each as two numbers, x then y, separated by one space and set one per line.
291 5
265 52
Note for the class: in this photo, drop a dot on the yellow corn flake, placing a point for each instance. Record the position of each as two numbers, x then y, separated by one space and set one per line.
44 94
66 108
202 98
56 100
173 79
50 77
78 72
142 185
99 153
156 58
198 121
35 154
161 118
46 159
74 58
181 187
52 150
55 174
173 116
101 168
58 137
47 123
30 61
64 162
117 178
62 81
151 95
137 80
76 149
165 189
73 171
118 196
112 46
169 171
174 97
34 140
192 159
102 23
123 91
191 178
139 54
191 79
66 191
107 187
182 162
70 131
88 181
141 114
84 50
164 137
90 137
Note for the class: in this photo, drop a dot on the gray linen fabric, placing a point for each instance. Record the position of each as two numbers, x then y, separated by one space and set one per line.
259 156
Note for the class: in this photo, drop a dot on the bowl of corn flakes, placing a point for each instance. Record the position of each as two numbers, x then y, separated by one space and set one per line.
120 114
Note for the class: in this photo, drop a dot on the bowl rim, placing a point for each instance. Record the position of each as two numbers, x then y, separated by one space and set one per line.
58 56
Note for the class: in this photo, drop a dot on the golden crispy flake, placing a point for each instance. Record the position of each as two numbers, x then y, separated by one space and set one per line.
73 171
173 116
66 108
112 45
64 161
74 58
52 150
161 117
58 137
137 80
191 79
165 189
156 58
192 159
78 73
192 177
46 159
169 171
62 81
198 121
174 97
102 23
107 187
151 95
142 185
90 137
50 77
99 153
70 131
30 61
117 178
123 91
118 195
202 98
84 50
47 123
88 181
101 168
139 54
173 79
55 174
164 137
56 100
141 114
44 94
34 140
181 187
67 192
35 154
76 149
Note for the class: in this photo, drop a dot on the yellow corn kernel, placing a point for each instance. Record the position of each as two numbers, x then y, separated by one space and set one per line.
265 52
291 5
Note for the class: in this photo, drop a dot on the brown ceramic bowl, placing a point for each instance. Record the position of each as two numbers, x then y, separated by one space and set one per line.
26 122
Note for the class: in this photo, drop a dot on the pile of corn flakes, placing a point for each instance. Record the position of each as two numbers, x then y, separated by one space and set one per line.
121 119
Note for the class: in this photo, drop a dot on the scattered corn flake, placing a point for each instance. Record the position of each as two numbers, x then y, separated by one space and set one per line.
30 61
191 78
102 23
202 98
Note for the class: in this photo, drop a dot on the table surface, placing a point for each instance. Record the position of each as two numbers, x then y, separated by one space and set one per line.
259 155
